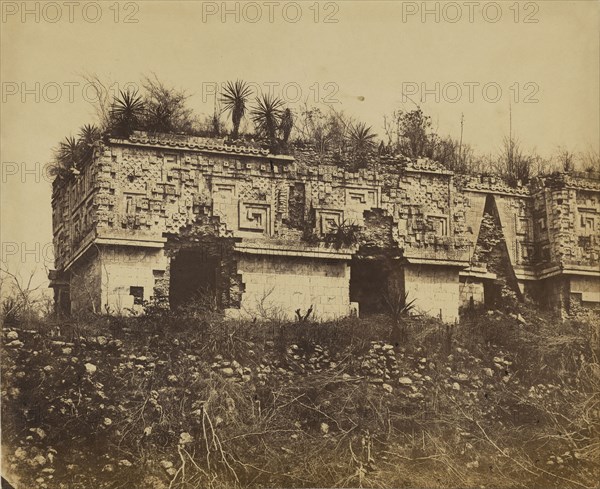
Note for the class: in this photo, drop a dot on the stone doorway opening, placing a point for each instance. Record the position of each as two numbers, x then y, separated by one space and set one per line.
193 278
368 284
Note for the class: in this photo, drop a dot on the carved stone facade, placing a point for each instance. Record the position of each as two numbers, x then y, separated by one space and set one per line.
168 217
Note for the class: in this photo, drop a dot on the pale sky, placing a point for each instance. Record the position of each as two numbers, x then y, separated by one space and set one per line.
547 70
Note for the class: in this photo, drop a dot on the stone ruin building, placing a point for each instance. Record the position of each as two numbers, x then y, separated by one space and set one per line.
173 219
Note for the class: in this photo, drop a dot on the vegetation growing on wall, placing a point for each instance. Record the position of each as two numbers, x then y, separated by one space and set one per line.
491 250
158 108
74 152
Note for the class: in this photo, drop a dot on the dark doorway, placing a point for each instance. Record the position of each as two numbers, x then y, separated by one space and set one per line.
492 293
192 274
62 300
368 284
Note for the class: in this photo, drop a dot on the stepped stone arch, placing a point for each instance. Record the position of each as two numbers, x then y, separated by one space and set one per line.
492 248
201 260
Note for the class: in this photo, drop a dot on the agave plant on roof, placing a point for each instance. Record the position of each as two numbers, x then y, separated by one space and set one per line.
361 137
266 115
234 98
127 113
89 135
159 119
66 158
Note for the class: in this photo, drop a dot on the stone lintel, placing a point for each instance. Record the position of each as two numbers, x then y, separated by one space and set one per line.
83 248
140 242
483 274
137 242
271 250
581 270
443 263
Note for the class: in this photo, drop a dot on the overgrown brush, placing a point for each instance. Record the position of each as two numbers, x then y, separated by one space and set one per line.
160 401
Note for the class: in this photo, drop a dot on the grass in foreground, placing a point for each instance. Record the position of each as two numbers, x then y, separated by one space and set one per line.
194 401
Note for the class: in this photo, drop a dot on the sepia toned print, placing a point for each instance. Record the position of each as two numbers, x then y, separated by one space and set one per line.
300 244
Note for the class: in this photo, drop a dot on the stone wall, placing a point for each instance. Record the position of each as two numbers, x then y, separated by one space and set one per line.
586 291
554 293
74 215
435 290
276 286
86 283
129 277
148 197
567 221
471 292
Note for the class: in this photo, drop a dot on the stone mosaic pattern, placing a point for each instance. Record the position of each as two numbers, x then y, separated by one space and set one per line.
146 190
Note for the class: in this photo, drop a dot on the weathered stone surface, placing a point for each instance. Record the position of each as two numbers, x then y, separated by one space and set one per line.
90 368
263 225
227 371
